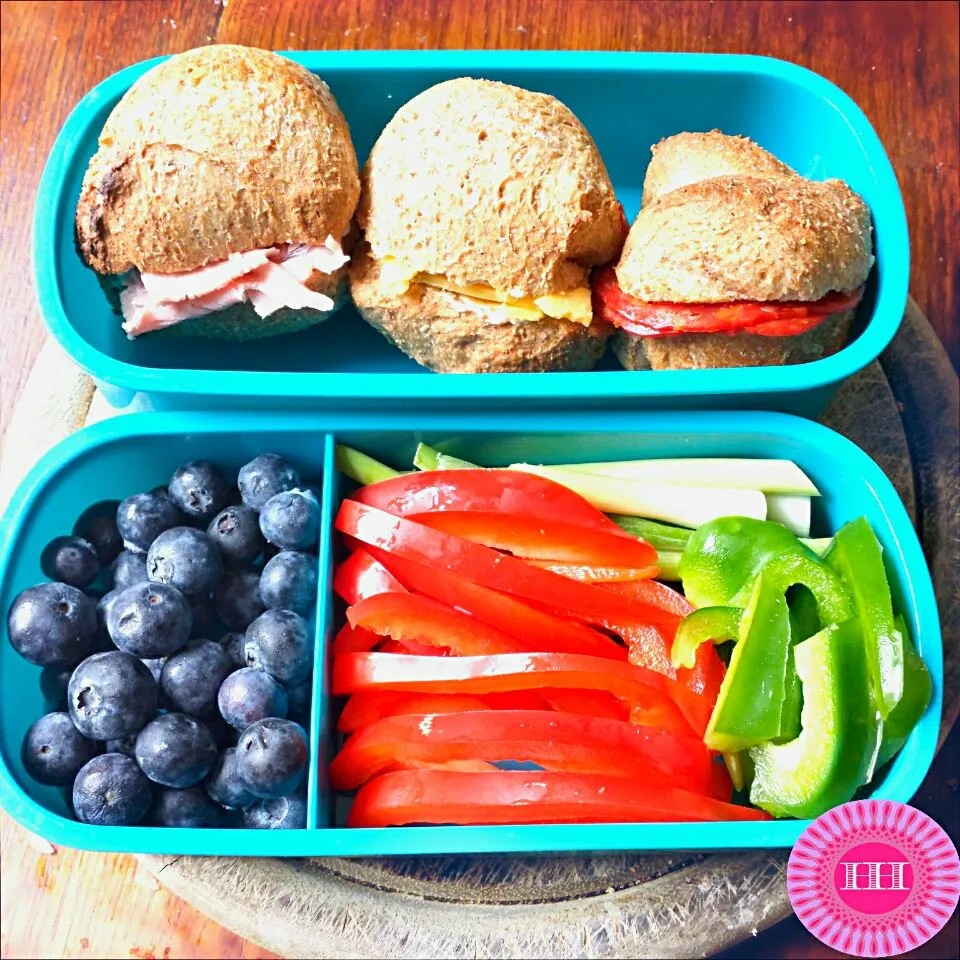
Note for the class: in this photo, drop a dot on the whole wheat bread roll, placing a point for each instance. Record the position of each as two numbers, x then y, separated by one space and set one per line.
219 150
723 220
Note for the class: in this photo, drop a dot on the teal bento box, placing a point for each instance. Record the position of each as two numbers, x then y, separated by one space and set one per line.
627 101
127 454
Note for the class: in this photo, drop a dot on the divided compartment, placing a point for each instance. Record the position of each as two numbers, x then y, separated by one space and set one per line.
125 454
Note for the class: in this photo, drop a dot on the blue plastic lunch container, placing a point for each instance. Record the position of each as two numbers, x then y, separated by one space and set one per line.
628 101
125 454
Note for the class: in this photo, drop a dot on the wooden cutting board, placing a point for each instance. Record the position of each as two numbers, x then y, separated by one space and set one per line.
902 410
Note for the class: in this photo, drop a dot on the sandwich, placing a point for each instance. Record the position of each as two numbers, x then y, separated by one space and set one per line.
735 260
219 197
483 209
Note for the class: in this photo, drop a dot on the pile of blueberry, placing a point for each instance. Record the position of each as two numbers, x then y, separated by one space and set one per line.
176 652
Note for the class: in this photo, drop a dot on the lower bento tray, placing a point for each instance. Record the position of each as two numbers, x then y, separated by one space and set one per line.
126 454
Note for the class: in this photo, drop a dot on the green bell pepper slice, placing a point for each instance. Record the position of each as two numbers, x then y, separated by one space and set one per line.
723 557
840 733
706 625
917 691
855 556
750 702
804 623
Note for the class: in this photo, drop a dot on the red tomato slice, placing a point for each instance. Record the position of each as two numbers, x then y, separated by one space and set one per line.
774 318
488 491
473 561
541 631
360 576
540 539
656 694
554 741
514 797
369 706
408 617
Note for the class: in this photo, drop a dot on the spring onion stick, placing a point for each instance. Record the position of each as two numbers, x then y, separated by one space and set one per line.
358 466
770 476
427 458
792 511
660 536
686 506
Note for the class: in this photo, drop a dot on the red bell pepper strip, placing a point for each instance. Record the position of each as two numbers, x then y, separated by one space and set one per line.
414 648
360 576
349 640
595 574
541 631
656 594
489 568
491 491
541 539
654 693
515 797
369 706
554 741
408 616
721 786
587 703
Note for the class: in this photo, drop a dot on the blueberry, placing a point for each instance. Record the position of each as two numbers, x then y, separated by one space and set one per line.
236 531
280 643
199 489
70 560
111 791
299 698
289 582
53 686
184 808
98 526
272 757
280 813
129 568
111 695
249 695
192 677
125 745
155 666
53 750
206 623
233 644
143 517
175 750
52 625
291 520
265 477
237 598
186 559
224 784
101 640
149 620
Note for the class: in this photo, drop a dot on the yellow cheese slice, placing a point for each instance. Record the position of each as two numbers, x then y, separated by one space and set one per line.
575 305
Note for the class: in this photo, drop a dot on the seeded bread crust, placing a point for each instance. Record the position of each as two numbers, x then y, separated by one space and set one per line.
704 351
217 150
427 325
489 183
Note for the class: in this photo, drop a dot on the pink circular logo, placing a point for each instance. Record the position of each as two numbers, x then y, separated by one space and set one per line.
874 878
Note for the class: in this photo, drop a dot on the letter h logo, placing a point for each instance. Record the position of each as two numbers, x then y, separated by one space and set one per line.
873 875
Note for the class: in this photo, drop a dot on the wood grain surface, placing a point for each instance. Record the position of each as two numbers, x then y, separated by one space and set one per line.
899 61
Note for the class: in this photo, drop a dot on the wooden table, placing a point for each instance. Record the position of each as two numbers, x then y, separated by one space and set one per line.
897 60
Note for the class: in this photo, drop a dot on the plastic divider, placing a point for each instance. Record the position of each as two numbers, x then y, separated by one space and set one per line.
319 803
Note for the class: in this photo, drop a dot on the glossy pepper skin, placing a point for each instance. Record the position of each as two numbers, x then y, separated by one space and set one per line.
855 556
444 796
837 746
750 704
706 625
723 557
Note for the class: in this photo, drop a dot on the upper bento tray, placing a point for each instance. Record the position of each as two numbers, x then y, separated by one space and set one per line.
628 101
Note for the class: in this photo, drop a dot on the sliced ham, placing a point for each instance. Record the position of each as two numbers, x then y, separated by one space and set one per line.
270 279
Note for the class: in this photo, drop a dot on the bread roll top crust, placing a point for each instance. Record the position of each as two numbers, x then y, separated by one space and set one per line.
216 151
724 220
483 182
